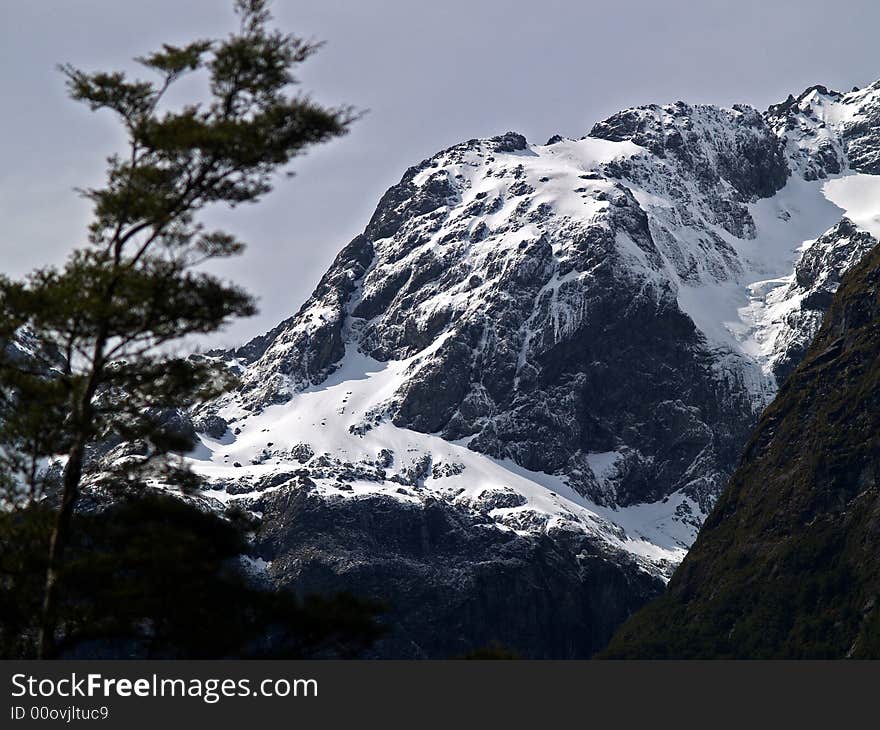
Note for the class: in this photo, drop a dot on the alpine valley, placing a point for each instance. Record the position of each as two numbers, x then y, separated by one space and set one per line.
510 403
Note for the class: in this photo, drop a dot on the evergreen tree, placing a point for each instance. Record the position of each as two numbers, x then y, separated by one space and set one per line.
153 577
101 326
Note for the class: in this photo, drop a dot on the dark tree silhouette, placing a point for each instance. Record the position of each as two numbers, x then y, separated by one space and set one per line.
100 326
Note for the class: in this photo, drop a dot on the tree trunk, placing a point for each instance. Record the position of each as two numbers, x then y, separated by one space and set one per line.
71 478
57 544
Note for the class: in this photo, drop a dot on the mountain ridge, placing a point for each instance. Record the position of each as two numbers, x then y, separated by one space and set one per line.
576 336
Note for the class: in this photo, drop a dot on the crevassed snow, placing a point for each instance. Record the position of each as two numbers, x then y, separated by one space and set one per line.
815 207
739 313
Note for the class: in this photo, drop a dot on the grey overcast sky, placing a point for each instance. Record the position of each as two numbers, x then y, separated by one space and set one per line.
431 73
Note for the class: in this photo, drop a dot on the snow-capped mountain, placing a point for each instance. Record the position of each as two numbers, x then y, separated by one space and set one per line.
513 399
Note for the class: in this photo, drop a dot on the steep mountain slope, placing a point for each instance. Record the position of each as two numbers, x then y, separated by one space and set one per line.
785 566
543 361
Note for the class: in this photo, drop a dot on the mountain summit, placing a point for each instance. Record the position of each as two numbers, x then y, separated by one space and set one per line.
511 402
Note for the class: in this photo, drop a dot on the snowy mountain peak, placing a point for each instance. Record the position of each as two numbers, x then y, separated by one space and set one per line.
827 132
576 335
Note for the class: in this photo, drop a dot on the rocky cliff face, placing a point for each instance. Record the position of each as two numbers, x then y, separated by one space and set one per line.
536 341
785 566
451 581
